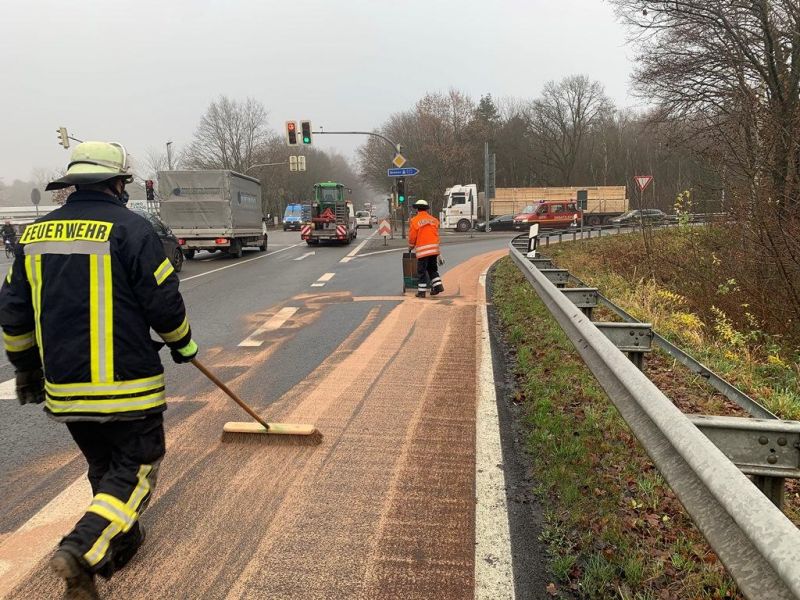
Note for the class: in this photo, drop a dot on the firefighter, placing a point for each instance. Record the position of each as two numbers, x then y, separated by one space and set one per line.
423 239
88 282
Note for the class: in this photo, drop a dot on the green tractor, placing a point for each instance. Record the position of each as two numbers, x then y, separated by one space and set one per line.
332 216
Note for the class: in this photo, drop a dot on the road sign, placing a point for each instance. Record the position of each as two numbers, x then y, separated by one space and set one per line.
36 196
642 181
385 228
407 172
399 160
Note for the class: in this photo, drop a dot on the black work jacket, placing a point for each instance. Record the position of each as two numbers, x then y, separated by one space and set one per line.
88 282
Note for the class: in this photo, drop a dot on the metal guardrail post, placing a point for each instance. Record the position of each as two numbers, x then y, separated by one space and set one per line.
755 541
634 339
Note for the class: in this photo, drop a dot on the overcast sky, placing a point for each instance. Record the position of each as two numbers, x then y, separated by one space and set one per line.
143 72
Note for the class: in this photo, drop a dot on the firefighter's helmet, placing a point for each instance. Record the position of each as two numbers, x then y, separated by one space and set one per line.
421 203
94 162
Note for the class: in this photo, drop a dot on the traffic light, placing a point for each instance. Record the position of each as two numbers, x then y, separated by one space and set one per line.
305 130
301 163
149 188
63 138
293 163
401 190
291 133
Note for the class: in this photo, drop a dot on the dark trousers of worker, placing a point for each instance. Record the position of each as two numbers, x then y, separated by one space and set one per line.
428 274
123 458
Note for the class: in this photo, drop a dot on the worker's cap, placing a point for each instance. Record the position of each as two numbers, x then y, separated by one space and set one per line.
421 203
93 162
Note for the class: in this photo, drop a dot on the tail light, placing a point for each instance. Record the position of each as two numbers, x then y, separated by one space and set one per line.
181 242
221 241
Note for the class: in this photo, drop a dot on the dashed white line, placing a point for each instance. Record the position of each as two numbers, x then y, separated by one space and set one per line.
275 322
306 255
8 390
494 576
323 280
356 250
241 262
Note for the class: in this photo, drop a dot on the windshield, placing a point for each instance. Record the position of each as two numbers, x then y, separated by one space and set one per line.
293 210
528 209
628 214
362 214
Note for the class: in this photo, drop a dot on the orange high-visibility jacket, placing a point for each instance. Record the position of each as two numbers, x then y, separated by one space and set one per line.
423 234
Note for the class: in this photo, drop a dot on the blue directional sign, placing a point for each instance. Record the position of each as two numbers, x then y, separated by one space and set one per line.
405 172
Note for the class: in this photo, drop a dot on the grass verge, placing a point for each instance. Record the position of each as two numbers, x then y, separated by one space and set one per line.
613 527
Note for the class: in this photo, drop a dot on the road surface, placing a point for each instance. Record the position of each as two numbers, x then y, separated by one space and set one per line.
385 507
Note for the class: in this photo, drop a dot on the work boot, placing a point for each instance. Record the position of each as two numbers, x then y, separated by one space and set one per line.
79 580
125 546
437 289
420 294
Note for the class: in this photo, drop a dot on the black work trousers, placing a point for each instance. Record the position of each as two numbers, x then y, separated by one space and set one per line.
123 458
428 274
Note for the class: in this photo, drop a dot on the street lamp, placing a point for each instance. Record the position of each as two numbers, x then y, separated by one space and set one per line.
169 156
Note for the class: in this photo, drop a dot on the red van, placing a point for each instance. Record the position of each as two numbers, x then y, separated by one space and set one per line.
549 215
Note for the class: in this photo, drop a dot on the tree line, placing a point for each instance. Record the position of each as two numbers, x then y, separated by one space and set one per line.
235 134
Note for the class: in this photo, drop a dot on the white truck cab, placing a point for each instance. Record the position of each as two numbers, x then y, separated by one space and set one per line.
460 210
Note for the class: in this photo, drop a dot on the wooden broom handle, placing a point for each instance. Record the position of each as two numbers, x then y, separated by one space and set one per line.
230 393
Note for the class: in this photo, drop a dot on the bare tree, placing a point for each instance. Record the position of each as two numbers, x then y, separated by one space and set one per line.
230 134
560 120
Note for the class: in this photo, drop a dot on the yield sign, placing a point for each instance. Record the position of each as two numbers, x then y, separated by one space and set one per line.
642 181
399 160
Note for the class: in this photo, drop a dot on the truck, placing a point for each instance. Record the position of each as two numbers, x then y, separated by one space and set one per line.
332 216
461 210
602 203
214 210
463 205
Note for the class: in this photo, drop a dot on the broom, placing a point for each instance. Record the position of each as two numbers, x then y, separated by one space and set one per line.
233 430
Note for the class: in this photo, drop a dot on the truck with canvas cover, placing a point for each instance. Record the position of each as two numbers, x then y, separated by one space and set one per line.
332 216
213 210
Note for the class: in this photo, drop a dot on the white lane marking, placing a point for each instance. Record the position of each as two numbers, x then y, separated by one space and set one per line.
275 322
323 280
355 250
41 533
382 252
494 575
306 255
241 262
8 390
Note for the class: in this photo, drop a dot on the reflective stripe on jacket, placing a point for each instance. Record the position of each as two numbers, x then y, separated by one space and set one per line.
88 282
423 234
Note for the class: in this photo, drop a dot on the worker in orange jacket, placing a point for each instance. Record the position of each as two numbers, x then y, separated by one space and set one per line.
423 238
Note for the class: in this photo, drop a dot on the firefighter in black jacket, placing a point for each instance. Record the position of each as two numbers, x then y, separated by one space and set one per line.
88 282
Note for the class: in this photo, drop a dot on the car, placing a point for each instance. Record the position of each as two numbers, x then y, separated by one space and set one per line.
550 214
644 215
501 223
363 219
172 247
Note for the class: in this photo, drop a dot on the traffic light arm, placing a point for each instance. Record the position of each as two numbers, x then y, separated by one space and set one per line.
266 165
396 147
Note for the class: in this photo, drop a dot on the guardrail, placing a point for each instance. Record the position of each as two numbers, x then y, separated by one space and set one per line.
755 541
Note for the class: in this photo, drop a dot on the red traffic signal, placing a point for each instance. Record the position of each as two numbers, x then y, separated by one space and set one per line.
291 133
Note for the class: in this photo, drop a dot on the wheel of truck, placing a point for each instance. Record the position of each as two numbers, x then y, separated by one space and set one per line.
263 247
594 221
189 254
462 226
235 249
177 260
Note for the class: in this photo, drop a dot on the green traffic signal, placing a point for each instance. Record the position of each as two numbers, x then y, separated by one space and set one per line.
305 130
401 199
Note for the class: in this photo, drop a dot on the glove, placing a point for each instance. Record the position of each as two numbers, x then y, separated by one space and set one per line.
440 260
30 386
185 354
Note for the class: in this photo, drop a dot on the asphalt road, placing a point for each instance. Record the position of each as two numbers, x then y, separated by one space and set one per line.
384 508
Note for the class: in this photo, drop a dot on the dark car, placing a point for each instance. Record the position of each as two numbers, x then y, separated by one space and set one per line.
501 223
171 246
646 215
